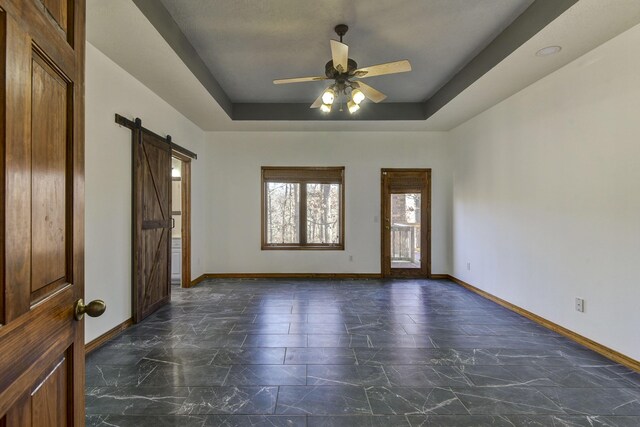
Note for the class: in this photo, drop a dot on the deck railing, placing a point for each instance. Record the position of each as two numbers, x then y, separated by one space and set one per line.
403 242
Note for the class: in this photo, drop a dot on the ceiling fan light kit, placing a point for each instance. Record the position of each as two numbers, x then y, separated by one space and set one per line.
328 96
344 70
357 96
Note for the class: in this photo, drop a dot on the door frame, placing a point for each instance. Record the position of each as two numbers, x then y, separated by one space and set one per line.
425 224
185 206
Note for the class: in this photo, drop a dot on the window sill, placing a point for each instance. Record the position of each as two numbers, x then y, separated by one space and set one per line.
303 248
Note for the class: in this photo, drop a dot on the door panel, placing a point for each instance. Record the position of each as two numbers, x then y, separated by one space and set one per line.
406 219
59 11
47 403
16 67
42 214
19 414
49 135
49 399
152 231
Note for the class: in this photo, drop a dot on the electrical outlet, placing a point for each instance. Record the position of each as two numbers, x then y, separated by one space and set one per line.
351 258
580 305
469 266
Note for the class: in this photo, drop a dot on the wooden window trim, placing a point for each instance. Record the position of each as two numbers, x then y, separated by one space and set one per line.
301 175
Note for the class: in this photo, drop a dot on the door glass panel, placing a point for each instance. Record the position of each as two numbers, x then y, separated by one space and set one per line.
405 230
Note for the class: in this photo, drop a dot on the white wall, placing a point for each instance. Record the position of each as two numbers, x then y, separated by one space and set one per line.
111 90
539 193
234 161
546 196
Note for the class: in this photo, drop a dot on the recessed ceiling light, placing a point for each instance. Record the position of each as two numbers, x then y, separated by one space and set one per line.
549 50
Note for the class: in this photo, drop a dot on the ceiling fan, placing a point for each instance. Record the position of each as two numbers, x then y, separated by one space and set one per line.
343 70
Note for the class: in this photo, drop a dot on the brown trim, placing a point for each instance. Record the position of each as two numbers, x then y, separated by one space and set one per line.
109 335
580 339
186 223
307 174
185 206
136 214
301 175
302 217
410 184
295 275
197 281
207 276
183 158
307 247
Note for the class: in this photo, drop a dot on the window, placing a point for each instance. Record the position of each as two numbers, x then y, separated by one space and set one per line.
303 208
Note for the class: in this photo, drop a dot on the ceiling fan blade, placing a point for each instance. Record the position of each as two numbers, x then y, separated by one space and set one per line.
382 69
371 93
318 102
299 80
340 56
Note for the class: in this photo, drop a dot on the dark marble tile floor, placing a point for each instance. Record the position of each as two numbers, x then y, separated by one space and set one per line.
328 353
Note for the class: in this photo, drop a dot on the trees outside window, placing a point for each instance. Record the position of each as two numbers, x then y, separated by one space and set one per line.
303 208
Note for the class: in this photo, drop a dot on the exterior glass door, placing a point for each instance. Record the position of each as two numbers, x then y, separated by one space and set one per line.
406 204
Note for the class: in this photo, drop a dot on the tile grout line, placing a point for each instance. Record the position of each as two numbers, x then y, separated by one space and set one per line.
275 406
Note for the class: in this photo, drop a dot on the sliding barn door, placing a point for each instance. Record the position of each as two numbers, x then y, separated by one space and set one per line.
152 223
42 213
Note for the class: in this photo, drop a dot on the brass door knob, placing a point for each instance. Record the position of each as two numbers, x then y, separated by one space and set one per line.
94 309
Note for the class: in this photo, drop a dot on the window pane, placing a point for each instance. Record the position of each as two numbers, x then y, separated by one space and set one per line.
405 230
323 213
282 217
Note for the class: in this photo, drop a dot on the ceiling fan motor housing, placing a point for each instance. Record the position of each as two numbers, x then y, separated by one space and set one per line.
331 72
341 30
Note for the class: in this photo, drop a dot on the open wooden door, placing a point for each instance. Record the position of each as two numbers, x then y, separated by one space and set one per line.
42 215
406 222
152 222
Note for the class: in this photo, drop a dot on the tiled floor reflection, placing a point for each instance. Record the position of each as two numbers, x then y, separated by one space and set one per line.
350 353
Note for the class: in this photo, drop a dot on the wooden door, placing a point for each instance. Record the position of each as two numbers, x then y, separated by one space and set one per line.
406 222
42 229
152 223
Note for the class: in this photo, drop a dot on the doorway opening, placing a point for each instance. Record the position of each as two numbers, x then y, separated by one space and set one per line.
406 222
180 220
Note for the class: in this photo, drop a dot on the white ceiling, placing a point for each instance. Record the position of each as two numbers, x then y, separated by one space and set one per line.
123 33
247 43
